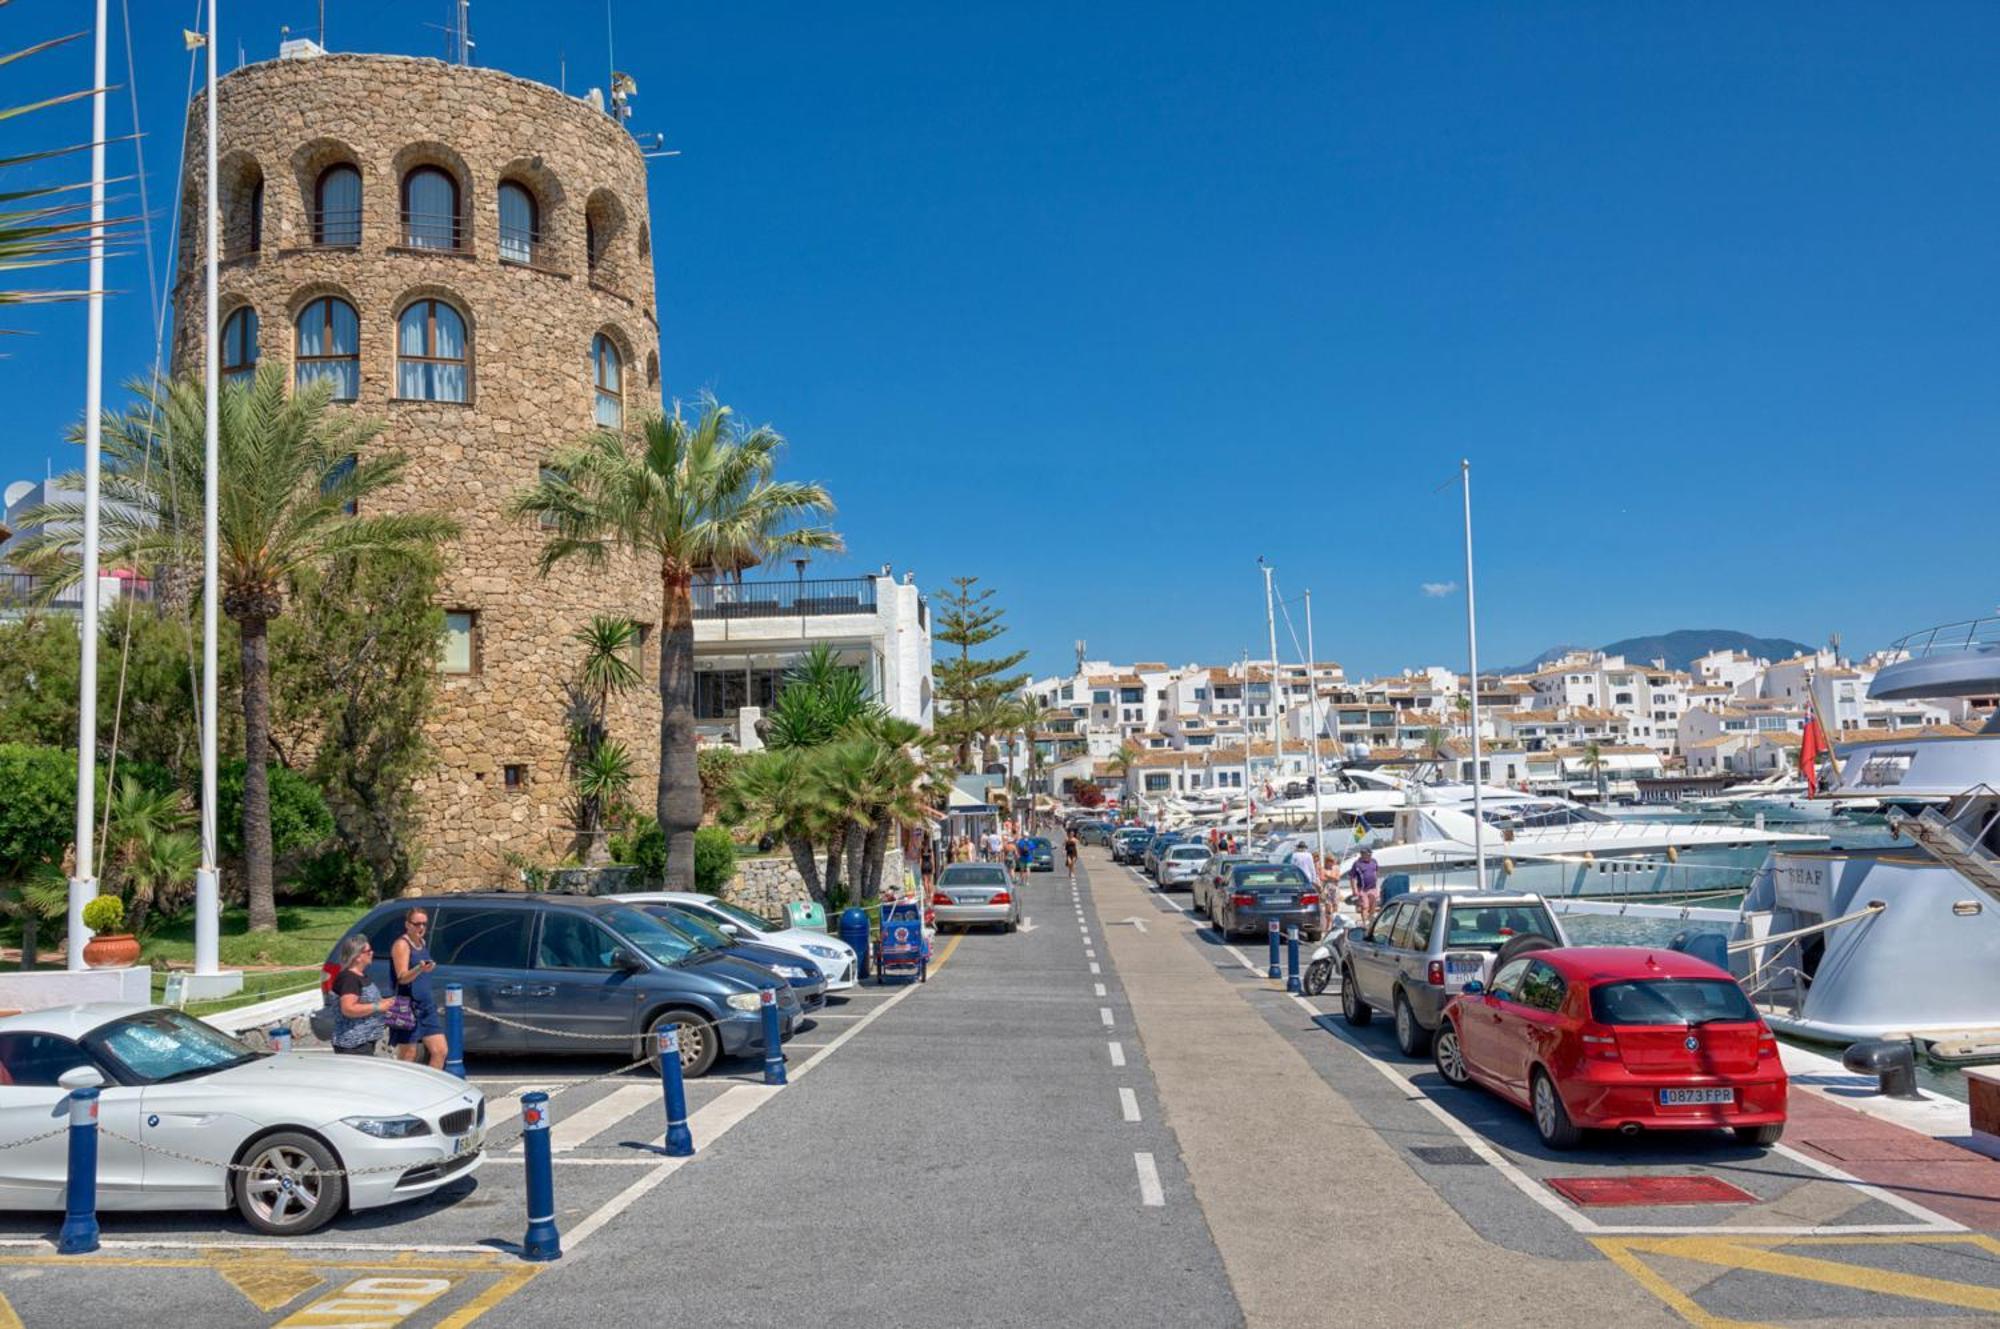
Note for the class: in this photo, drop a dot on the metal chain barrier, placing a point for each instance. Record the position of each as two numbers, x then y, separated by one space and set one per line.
37 1139
562 1033
110 1134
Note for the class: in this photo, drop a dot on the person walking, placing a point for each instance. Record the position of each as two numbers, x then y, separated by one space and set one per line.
1302 859
358 1005
1366 874
410 959
1070 847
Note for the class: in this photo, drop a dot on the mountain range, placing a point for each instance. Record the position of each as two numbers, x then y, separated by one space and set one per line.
1679 648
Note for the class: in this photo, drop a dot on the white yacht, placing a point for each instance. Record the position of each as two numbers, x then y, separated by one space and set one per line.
1778 799
1896 941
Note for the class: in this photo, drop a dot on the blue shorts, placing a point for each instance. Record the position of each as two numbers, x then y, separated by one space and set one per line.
428 1025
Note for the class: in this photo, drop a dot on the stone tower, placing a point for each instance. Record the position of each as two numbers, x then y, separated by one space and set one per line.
466 256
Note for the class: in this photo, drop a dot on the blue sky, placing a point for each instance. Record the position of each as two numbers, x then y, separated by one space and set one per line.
1102 302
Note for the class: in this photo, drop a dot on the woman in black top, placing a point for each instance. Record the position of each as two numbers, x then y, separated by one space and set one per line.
358 1005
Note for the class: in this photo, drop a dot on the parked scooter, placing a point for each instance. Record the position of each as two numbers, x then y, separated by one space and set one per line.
1324 960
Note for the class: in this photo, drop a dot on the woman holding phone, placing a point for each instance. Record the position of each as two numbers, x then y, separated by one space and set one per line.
410 957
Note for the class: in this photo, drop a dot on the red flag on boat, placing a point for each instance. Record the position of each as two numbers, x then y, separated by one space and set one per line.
1811 748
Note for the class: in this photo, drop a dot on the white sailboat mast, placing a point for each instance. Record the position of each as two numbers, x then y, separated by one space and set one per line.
1472 678
1312 656
1277 728
207 878
83 881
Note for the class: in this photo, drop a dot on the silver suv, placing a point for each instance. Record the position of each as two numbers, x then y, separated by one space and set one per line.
1423 948
1182 864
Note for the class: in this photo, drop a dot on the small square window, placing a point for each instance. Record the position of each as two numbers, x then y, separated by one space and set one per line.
513 778
461 642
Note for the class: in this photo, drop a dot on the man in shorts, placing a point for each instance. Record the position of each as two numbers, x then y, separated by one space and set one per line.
1366 874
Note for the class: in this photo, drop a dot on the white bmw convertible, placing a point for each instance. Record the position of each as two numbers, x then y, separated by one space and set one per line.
190 1118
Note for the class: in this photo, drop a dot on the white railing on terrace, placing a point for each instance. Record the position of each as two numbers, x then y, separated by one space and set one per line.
1951 637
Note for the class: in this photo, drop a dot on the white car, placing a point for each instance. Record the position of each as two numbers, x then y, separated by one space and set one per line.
180 1100
834 957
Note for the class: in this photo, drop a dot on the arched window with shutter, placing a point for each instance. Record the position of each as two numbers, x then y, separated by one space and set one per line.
431 353
239 346
328 347
608 371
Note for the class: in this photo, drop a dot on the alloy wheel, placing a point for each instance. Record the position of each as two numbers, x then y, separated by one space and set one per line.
284 1184
1450 1061
1545 1107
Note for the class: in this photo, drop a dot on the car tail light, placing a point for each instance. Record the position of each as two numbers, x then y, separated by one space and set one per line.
1243 901
1435 973
1309 901
327 973
1767 1046
940 898
1599 1042
1001 898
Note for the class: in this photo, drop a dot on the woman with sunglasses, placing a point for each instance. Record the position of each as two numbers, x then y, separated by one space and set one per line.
358 1007
410 957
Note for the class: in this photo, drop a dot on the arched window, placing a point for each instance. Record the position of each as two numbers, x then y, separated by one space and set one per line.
239 346
430 209
328 347
520 224
593 242
336 216
256 236
608 370
430 353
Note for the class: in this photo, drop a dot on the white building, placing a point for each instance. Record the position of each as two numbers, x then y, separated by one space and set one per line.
748 635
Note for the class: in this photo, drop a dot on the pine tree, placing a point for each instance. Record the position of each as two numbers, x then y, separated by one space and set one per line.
968 688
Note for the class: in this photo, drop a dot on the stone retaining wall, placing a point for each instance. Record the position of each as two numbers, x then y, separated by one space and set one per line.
766 885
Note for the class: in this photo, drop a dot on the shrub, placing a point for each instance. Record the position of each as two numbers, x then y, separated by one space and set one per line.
714 859
644 847
104 913
37 807
335 877
300 821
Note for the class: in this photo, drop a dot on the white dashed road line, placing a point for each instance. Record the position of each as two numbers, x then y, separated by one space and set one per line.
1150 1193
1104 1012
1117 1054
1128 1103
1099 987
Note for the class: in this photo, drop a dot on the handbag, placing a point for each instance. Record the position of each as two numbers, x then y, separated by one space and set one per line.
400 1015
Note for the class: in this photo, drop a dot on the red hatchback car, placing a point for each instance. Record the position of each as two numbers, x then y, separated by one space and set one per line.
1617 1038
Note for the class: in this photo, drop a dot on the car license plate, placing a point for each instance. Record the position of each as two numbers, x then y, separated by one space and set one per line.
1282 901
1676 1097
467 1144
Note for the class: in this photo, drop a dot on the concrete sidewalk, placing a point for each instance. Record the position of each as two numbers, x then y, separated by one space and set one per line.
1318 1220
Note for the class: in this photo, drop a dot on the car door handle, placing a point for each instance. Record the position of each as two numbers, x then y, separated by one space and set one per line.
509 990
540 991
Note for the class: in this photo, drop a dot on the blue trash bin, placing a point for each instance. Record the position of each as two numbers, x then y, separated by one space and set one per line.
854 931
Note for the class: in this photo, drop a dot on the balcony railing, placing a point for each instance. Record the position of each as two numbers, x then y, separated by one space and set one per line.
20 591
1973 634
524 247
433 230
336 228
785 599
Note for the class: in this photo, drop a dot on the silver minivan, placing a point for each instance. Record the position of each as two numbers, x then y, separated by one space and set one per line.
1424 947
1182 863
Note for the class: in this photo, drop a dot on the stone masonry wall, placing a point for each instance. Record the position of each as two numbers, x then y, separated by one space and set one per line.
529 328
766 885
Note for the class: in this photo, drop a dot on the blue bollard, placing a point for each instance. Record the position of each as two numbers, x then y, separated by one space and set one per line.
1292 959
280 1038
1274 948
542 1242
454 1029
79 1228
774 1051
680 1141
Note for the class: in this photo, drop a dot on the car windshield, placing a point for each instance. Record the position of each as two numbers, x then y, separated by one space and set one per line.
158 1046
1187 851
1672 1001
1493 924
658 941
741 917
1277 876
697 933
973 876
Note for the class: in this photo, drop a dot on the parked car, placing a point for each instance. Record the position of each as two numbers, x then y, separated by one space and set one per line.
968 894
1261 892
204 1100
1129 845
834 957
1214 880
1423 948
1182 864
1094 832
582 967
806 978
1041 855
1618 1038
1158 845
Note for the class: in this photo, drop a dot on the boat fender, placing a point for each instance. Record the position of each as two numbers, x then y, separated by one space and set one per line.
1673 853
1507 866
1589 856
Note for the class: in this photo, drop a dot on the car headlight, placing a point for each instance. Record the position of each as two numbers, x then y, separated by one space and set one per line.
823 952
744 1001
793 971
389 1128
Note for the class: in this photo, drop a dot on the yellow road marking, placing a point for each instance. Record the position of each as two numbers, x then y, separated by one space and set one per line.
487 1300
268 1280
9 1320
375 1302
945 954
1759 1255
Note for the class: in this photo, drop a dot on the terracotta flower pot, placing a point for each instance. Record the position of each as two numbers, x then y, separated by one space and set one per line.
111 950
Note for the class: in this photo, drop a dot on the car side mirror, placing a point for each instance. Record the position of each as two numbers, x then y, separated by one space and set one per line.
625 962
730 928
1473 988
81 1077
1356 934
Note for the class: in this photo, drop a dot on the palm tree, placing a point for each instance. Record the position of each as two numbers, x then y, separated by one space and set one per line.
600 769
152 853
295 473
1593 757
698 499
778 793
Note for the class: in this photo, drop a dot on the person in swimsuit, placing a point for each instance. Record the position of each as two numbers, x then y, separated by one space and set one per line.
410 957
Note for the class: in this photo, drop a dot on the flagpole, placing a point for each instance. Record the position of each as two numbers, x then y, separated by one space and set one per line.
207 878
1277 729
83 881
1472 654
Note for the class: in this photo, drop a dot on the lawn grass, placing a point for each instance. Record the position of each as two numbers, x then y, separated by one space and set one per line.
305 936
257 986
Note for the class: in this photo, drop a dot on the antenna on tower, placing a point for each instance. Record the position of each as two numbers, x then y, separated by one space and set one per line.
1081 647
